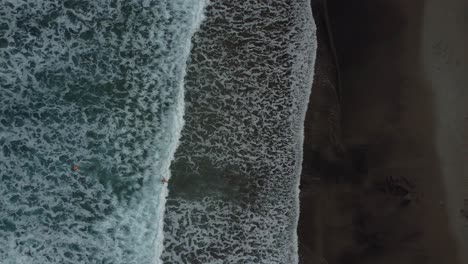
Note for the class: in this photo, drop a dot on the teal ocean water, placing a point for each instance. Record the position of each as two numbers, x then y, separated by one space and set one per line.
207 95
98 84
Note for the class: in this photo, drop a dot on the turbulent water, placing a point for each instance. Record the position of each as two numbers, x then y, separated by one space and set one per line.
91 112
98 84
233 197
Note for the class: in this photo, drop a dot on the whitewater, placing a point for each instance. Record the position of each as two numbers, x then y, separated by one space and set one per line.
96 84
152 131
234 193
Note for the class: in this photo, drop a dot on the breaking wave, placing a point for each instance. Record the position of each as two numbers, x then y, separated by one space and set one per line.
96 84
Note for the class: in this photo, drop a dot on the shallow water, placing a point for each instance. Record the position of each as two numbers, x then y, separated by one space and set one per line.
233 197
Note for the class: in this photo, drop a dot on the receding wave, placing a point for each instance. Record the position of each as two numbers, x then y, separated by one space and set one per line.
234 192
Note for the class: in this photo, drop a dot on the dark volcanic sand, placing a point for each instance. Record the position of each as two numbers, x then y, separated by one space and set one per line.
372 189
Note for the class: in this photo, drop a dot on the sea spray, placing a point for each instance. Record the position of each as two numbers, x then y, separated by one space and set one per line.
234 192
97 84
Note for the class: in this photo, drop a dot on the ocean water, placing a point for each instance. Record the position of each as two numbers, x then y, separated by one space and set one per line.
98 84
233 196
107 85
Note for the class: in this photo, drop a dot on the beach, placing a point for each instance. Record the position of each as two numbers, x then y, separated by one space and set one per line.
384 179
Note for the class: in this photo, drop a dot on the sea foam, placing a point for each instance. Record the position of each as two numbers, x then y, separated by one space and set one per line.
98 84
234 193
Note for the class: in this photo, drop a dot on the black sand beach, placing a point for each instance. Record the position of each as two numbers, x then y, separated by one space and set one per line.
373 188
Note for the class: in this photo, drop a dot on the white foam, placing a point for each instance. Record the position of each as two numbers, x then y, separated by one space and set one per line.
307 40
98 84
234 196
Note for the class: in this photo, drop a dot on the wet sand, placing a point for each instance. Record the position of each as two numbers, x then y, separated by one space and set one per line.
445 60
380 154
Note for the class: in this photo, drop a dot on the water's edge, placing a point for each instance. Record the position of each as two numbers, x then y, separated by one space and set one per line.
308 75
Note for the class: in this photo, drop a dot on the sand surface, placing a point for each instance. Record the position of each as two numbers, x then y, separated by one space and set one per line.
384 177
444 48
